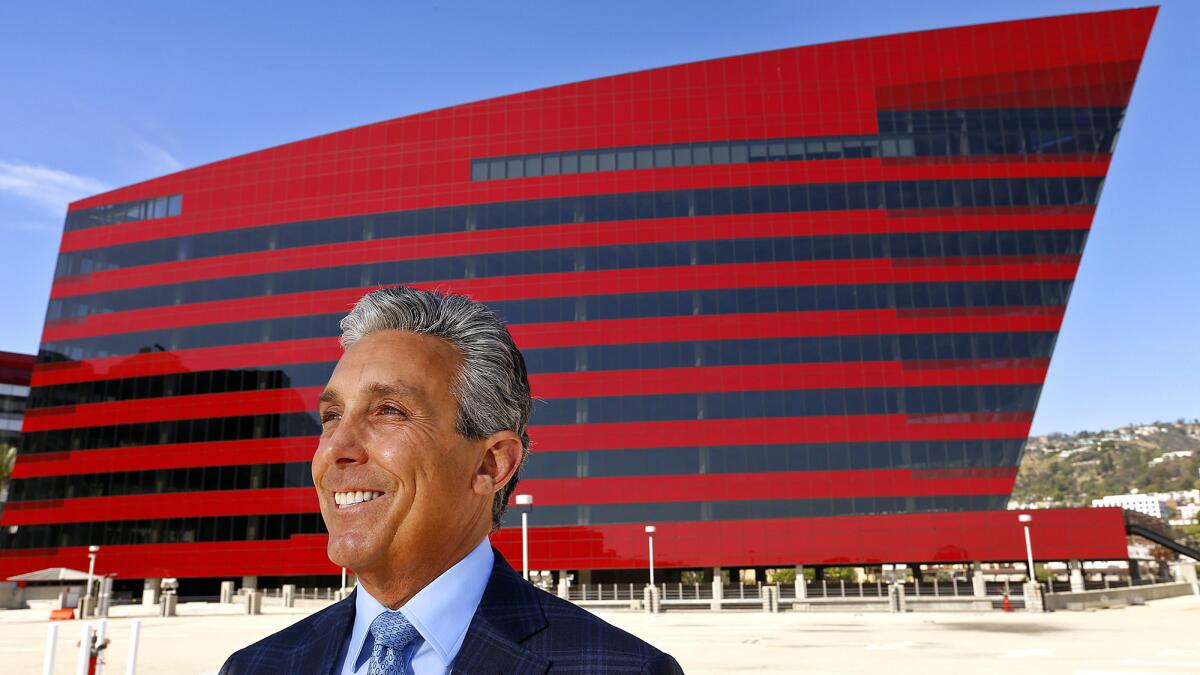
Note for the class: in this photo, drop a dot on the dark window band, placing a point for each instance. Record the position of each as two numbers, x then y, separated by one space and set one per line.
687 354
906 133
795 403
626 256
159 481
288 425
975 193
758 509
125 212
276 527
881 455
961 454
584 410
596 307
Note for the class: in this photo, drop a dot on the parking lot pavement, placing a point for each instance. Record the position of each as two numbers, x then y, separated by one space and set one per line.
1161 637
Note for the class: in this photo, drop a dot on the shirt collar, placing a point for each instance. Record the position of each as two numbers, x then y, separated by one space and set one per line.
441 612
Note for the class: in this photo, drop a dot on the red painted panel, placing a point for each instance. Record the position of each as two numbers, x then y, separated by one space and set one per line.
1057 534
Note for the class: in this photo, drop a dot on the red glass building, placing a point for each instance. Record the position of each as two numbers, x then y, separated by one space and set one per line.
790 307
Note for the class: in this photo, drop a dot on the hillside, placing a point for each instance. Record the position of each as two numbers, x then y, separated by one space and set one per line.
1072 470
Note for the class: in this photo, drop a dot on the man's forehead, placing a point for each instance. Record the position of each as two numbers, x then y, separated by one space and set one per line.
376 388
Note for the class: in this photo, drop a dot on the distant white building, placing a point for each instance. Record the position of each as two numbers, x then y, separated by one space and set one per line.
1178 454
1151 504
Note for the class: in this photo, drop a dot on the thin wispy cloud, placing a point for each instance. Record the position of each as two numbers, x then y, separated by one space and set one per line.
158 159
48 189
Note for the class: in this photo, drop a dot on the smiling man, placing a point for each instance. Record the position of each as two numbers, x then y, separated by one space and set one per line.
423 438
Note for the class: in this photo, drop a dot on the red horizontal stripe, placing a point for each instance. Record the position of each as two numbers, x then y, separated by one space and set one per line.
571 235
533 286
550 492
401 197
174 456
568 334
171 505
751 486
559 385
1063 534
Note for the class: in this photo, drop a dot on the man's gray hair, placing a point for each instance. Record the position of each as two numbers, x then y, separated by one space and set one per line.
491 387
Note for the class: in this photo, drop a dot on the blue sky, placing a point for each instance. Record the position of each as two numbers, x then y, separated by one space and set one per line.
99 95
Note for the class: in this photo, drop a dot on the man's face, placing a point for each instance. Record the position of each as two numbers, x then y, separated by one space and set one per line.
388 429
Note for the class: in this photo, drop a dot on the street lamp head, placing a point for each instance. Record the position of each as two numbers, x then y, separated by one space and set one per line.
93 549
650 529
524 500
1025 518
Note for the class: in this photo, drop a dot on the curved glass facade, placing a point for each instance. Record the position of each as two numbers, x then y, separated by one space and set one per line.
792 307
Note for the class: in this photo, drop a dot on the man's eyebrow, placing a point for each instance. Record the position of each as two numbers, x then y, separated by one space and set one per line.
329 396
399 390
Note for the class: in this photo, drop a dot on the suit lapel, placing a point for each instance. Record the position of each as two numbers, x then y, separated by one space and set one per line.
509 613
328 634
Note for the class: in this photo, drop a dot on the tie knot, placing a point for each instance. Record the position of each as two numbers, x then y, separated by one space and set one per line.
393 630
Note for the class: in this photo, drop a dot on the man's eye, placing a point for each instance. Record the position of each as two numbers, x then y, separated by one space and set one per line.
329 416
391 410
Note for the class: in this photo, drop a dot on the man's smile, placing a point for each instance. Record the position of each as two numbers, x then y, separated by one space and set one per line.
354 497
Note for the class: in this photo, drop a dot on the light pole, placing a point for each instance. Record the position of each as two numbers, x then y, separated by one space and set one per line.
650 530
1025 519
92 551
525 501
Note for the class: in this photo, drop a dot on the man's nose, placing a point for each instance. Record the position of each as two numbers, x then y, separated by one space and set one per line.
344 446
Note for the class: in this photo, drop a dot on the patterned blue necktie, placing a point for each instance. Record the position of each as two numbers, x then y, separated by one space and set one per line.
392 634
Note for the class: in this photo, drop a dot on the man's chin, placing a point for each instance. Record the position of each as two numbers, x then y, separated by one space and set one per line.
351 550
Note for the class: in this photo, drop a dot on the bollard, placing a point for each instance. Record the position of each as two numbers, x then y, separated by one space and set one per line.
289 595
135 633
84 662
770 599
718 594
166 604
51 643
105 600
254 602
651 600
896 597
1034 601
226 592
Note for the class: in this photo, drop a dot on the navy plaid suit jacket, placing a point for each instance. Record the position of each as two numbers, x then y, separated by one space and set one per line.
517 630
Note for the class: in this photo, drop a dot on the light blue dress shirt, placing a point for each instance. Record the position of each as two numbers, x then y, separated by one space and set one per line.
441 613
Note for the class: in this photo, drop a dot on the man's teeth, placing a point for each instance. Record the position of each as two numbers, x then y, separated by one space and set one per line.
350 498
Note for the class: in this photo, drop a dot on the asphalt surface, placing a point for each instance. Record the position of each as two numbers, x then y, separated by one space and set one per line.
1160 637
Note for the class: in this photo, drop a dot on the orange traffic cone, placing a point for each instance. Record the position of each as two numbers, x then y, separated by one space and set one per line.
1007 605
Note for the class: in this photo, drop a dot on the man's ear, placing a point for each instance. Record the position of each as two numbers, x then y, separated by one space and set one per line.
498 466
